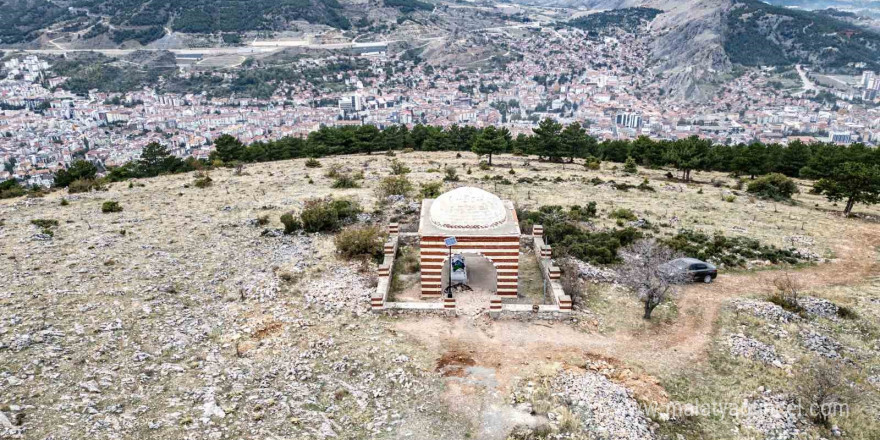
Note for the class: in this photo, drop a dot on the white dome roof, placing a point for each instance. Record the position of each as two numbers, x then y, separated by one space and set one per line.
468 208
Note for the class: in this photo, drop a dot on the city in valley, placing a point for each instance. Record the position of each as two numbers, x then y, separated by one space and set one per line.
509 77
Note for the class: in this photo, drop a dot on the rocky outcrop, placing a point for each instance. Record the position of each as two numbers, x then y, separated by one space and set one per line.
688 46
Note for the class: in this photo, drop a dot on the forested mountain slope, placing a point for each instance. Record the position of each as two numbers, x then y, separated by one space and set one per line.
756 33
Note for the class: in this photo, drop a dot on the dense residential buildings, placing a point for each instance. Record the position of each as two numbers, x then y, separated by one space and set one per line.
601 83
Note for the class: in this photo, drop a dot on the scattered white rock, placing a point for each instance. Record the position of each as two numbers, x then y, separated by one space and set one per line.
741 345
606 409
774 416
765 310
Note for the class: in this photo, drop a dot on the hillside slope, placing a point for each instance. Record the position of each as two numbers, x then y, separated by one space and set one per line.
756 33
22 21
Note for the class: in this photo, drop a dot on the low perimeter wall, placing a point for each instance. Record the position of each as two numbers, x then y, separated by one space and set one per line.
560 307
550 272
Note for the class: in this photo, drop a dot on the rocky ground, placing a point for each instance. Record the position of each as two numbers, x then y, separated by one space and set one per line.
185 316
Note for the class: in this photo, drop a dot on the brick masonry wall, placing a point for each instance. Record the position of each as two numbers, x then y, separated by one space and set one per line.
380 295
550 272
503 252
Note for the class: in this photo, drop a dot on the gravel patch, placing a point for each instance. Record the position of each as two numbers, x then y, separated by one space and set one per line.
775 416
819 307
820 344
765 310
595 274
607 410
741 345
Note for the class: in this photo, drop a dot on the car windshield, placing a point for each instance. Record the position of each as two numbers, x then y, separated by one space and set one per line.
681 264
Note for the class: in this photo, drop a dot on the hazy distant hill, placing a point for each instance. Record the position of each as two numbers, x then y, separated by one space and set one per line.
22 20
756 33
216 15
146 20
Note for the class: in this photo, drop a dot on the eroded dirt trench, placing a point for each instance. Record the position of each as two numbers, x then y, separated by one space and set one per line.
509 350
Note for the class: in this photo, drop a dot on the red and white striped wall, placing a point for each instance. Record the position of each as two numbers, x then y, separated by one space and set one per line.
502 251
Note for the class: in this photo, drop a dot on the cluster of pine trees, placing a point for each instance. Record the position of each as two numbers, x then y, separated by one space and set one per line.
850 173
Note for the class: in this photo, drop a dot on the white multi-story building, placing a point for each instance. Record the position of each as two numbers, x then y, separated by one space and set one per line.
628 120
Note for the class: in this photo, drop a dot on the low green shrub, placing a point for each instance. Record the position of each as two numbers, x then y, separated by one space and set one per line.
592 163
394 186
786 303
773 186
203 182
564 231
623 214
10 188
111 206
345 181
728 251
44 223
398 168
451 175
846 312
630 166
360 242
84 185
484 166
498 179
326 215
583 213
291 223
431 190
313 163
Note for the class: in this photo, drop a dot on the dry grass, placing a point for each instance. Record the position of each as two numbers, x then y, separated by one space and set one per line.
679 346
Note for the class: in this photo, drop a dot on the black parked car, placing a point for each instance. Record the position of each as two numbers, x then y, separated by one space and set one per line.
690 269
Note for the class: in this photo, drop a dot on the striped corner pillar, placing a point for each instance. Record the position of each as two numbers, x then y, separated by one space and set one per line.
393 228
449 303
546 251
495 304
502 251
538 231
565 303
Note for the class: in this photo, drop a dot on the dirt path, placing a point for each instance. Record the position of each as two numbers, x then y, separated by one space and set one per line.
517 349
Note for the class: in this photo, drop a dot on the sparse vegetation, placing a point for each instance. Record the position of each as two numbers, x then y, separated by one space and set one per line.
111 206
431 190
291 223
328 215
623 214
360 242
44 223
84 185
395 186
773 186
345 181
203 181
398 168
630 166
729 251
451 175
788 289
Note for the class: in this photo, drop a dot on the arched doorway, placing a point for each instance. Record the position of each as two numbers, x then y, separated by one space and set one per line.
481 272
